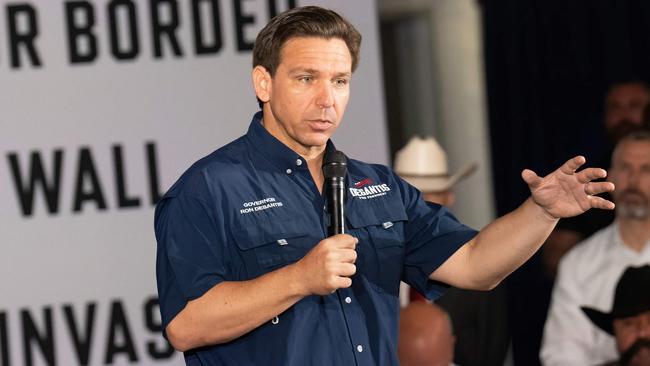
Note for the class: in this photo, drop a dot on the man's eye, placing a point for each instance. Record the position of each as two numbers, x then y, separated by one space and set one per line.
341 82
627 322
305 79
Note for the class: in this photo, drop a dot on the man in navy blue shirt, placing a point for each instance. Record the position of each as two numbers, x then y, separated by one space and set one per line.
246 275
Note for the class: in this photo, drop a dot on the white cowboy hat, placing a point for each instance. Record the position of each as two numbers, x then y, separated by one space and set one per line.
423 163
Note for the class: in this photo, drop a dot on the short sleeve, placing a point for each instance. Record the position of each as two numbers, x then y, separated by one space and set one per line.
433 234
191 252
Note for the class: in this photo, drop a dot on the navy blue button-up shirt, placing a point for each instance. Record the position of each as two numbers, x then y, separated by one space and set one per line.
252 207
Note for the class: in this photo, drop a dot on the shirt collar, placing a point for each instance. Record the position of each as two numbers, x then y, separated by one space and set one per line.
618 243
272 149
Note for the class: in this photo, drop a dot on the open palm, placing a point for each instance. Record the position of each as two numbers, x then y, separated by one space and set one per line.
566 192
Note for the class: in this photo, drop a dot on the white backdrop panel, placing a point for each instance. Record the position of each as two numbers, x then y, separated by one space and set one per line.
78 284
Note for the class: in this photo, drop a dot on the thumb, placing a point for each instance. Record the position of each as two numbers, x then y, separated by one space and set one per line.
531 178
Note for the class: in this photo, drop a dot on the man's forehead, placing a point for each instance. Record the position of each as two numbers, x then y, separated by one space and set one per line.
643 314
303 40
628 90
633 150
308 47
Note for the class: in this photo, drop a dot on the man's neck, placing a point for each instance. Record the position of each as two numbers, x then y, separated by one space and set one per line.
312 154
315 164
635 233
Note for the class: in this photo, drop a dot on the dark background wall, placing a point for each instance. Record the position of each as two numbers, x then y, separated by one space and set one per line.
548 64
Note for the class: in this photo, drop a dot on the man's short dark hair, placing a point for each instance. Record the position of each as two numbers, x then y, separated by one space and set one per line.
641 134
307 21
625 81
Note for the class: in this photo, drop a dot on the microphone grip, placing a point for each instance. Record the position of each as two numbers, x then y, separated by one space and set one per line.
336 205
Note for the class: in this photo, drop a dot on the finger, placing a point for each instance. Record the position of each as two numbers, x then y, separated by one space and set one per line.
348 255
598 187
531 178
347 269
599 202
572 165
589 174
344 241
343 282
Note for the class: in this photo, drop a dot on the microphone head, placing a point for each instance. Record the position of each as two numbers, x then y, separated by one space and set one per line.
335 164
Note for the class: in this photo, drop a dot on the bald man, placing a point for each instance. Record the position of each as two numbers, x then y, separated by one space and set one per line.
425 336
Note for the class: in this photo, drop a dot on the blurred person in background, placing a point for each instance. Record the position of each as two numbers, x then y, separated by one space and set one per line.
629 319
588 273
426 336
625 104
423 163
479 317
625 111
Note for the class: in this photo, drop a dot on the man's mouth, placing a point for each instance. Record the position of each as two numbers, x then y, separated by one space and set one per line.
320 124
640 348
633 196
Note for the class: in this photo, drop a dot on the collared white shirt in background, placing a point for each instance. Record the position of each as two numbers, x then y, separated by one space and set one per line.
587 276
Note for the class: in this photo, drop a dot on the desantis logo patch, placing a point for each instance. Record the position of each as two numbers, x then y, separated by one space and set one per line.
365 189
363 182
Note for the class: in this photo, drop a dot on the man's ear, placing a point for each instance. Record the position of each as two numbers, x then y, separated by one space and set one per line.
262 83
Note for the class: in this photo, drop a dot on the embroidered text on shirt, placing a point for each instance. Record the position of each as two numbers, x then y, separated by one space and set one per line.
367 192
264 204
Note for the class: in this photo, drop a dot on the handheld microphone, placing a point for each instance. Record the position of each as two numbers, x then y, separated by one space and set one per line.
335 169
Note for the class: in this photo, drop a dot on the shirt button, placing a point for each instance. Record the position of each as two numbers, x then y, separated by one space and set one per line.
288 171
348 300
359 348
298 162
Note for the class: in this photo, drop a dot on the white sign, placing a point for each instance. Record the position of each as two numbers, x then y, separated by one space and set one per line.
103 104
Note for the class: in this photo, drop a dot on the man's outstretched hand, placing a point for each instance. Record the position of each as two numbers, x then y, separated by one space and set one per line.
565 192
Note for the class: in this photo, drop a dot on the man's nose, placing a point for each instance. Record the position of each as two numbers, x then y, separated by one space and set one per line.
325 96
632 114
633 179
643 327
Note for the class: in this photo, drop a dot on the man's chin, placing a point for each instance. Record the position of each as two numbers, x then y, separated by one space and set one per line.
622 129
315 139
632 211
642 358
637 355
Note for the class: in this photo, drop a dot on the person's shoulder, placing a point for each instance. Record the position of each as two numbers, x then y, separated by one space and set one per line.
227 158
595 244
218 166
589 253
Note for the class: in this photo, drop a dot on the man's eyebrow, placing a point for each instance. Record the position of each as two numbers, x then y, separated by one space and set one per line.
344 74
306 70
310 71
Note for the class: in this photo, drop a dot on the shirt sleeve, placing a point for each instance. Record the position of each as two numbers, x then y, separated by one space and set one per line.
191 252
433 234
567 330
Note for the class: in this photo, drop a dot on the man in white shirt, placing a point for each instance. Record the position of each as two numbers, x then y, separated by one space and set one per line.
624 107
588 274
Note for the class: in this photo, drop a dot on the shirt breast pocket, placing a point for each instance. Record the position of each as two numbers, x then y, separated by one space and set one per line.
271 245
380 252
